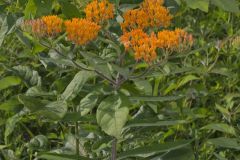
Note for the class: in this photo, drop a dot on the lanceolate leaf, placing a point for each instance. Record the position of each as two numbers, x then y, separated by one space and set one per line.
147 151
76 85
55 156
147 123
156 98
9 81
224 142
112 114
221 127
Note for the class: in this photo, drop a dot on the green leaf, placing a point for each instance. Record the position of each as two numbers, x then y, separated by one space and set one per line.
185 153
229 5
69 10
54 110
51 110
9 82
225 112
31 77
33 104
223 142
10 105
122 71
11 123
156 99
147 151
186 79
38 142
36 8
6 26
149 123
144 86
112 114
76 85
200 4
219 157
36 91
30 9
99 64
88 103
221 127
55 156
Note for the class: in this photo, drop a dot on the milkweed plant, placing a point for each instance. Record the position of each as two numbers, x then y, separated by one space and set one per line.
112 50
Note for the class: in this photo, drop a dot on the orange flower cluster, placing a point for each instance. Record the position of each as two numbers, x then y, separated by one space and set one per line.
37 27
144 46
99 11
134 19
53 24
150 14
174 40
45 26
81 31
157 15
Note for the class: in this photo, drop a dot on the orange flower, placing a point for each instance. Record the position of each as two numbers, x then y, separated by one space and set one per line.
158 16
143 45
81 31
146 3
174 40
37 27
99 11
150 14
45 26
53 24
134 19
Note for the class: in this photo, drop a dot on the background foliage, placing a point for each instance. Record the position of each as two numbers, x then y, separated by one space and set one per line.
187 108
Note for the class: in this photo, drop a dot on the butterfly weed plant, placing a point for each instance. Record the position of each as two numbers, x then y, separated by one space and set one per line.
116 81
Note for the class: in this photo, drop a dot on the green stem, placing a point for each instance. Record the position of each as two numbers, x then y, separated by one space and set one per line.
77 139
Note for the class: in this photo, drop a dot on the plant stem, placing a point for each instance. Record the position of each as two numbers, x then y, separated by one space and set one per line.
79 66
114 149
77 139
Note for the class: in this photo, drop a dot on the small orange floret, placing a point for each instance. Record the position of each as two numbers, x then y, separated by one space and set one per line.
134 19
150 14
53 24
37 27
143 45
81 31
176 40
158 15
146 3
44 26
99 11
